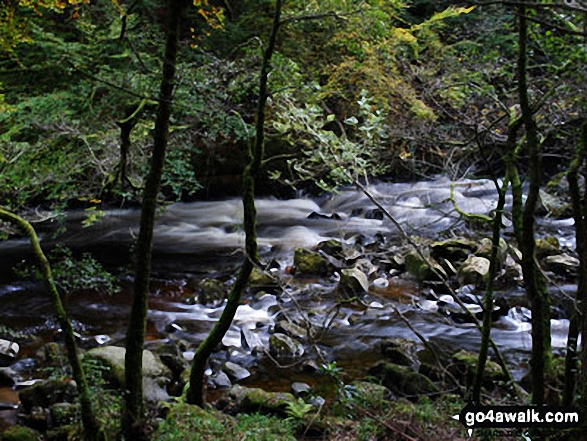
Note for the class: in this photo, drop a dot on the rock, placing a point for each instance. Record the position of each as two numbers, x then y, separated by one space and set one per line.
210 292
281 345
64 413
473 270
484 249
155 374
63 433
300 389
310 262
352 282
423 270
465 364
562 264
8 352
455 250
396 351
235 372
20 433
553 206
547 246
260 279
45 393
332 248
253 400
8 377
220 380
291 329
402 380
371 393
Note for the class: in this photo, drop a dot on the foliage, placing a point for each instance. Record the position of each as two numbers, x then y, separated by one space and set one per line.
297 410
73 274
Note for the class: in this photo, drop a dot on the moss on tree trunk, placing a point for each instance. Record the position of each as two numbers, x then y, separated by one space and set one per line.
92 430
135 336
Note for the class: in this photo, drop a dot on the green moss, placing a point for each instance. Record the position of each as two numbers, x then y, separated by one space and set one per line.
20 433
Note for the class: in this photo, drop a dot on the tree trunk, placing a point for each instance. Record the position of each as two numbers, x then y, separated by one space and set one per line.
196 392
92 431
534 281
135 336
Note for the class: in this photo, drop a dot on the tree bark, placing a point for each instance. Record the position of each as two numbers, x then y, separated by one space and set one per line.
92 430
534 281
135 336
196 391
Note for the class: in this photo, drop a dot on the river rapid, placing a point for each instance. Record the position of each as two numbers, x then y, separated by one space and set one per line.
198 240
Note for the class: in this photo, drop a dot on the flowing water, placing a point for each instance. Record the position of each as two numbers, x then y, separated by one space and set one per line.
203 239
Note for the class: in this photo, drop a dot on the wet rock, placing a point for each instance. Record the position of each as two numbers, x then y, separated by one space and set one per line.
24 366
397 351
465 364
210 292
310 262
45 393
253 400
20 433
64 413
474 270
553 206
8 377
402 380
281 345
8 352
455 250
352 282
484 249
155 374
264 301
220 380
562 264
235 372
262 280
300 389
547 246
310 367
333 216
423 269
332 248
291 329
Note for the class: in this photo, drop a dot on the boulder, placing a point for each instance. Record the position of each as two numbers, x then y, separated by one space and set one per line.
281 345
253 400
20 433
210 292
310 262
423 269
8 352
561 264
352 282
473 270
8 377
465 364
155 374
300 389
235 372
402 380
45 393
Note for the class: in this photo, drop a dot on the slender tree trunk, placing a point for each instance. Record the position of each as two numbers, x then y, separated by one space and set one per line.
571 359
92 431
534 280
196 392
488 300
135 336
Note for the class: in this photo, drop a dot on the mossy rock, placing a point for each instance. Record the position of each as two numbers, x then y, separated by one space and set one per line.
64 433
20 433
310 262
281 345
64 413
260 279
455 250
465 365
211 292
547 246
253 400
423 269
113 358
48 392
402 380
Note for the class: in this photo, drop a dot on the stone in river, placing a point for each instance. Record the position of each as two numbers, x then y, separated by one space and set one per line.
8 352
